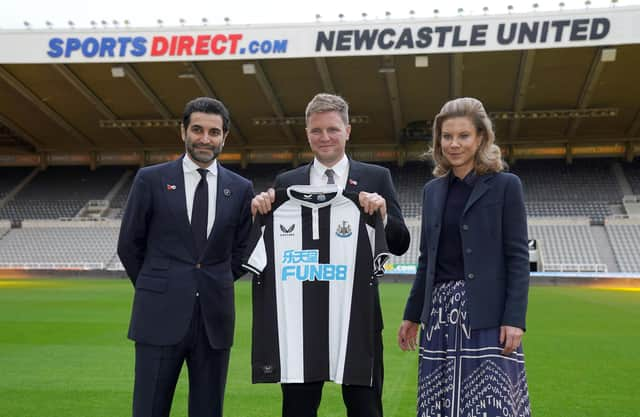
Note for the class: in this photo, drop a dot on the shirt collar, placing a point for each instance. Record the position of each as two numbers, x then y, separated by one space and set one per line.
189 166
341 169
470 179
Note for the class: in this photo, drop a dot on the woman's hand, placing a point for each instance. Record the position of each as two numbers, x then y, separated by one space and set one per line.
408 335
510 337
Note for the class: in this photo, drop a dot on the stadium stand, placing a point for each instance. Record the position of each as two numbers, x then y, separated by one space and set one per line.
585 188
49 244
585 180
411 257
5 226
60 192
261 175
624 235
632 172
566 244
409 181
555 194
11 177
596 211
120 199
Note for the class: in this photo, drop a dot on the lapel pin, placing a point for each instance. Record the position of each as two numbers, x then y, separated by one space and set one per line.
171 187
226 192
353 182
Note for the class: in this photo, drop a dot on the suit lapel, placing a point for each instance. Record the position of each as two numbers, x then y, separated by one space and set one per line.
478 191
306 179
177 200
353 176
433 211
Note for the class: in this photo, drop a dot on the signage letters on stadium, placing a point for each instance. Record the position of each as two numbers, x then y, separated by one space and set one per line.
460 34
190 45
102 47
162 46
536 32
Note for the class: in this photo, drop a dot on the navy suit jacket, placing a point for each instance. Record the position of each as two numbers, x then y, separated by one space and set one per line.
157 249
493 229
373 179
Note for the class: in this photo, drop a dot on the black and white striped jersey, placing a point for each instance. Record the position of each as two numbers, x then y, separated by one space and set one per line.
316 258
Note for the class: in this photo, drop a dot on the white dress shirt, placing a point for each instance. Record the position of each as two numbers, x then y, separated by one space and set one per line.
191 180
340 172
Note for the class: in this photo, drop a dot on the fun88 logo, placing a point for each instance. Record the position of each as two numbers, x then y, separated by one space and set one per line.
303 265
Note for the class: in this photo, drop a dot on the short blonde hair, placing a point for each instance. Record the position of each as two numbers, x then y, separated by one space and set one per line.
323 102
488 157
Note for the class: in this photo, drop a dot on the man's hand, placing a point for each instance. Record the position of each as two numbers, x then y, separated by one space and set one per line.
261 203
372 202
408 335
510 337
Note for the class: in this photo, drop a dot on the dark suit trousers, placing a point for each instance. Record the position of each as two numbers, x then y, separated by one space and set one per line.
303 400
158 369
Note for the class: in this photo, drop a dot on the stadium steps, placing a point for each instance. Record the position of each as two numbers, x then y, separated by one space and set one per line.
624 235
605 250
623 182
114 263
118 185
617 209
19 187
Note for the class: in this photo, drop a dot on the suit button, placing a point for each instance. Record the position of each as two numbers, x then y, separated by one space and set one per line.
468 250
471 276
198 266
465 227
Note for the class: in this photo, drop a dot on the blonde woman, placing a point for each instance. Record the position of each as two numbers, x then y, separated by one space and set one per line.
471 287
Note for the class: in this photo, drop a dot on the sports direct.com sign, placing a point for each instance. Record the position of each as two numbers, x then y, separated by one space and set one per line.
594 27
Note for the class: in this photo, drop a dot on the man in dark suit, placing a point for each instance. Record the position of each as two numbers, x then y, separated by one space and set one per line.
328 129
182 236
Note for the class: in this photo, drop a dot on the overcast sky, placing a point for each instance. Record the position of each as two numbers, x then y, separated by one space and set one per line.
145 13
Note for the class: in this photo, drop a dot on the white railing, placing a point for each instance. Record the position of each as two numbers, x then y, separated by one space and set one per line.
560 267
79 222
116 266
558 220
78 266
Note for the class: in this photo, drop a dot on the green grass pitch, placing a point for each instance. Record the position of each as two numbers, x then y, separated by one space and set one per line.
64 353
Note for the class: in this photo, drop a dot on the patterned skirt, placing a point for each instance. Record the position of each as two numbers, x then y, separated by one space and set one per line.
461 372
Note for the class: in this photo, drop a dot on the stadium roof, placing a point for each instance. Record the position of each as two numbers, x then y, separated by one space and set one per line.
557 85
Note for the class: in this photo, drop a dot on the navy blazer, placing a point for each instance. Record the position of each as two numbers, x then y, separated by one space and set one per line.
493 230
157 249
373 179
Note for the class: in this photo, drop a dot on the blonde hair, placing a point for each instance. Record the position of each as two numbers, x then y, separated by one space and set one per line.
488 157
323 102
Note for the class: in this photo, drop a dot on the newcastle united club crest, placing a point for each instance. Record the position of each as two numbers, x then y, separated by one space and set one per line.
344 229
